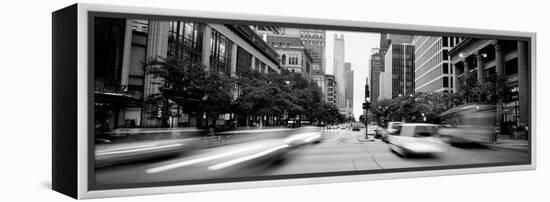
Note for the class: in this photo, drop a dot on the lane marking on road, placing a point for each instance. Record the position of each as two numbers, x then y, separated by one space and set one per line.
245 158
200 160
138 149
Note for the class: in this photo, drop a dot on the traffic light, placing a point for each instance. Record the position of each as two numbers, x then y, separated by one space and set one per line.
366 105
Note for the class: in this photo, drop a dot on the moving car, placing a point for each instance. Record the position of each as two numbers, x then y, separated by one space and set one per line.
417 138
393 128
356 128
304 136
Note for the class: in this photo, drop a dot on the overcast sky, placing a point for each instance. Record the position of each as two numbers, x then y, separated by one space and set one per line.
358 46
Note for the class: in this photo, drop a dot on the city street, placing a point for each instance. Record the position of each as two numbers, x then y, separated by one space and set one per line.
340 150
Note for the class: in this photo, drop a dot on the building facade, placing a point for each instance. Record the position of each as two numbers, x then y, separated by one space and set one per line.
339 74
319 78
314 41
398 76
376 66
122 87
484 59
332 89
433 69
293 55
386 39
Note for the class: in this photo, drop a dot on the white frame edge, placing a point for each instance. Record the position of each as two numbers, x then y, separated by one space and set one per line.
82 163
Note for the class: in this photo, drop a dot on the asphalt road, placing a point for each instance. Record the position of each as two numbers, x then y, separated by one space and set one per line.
340 151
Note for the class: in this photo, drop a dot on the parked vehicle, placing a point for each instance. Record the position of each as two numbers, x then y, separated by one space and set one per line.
371 130
417 138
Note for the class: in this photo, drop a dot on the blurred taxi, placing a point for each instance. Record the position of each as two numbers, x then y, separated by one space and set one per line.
417 138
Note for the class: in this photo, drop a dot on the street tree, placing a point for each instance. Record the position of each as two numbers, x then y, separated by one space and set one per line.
190 87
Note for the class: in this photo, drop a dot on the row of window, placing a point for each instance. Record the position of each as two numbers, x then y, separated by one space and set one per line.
220 53
311 35
438 85
444 68
440 57
434 50
185 40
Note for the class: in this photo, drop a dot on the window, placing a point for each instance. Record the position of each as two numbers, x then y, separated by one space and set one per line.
244 60
445 82
445 41
220 53
283 60
185 41
511 67
445 68
293 60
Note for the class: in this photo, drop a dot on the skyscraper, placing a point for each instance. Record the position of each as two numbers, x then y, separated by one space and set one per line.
339 71
398 76
348 74
376 66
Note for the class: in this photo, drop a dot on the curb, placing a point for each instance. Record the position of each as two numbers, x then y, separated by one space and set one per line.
362 139
514 148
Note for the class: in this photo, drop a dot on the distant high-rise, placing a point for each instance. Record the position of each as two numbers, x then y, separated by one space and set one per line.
348 73
433 67
314 40
332 88
339 71
376 66
398 76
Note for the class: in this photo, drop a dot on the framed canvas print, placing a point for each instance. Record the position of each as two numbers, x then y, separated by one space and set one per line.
150 101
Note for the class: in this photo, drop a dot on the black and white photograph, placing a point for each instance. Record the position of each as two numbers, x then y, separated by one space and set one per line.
275 101
191 101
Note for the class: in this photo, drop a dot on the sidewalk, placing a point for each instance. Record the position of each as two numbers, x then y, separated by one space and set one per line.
511 144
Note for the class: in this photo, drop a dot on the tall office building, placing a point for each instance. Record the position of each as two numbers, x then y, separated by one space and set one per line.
314 40
338 69
376 66
398 76
386 39
433 67
348 76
